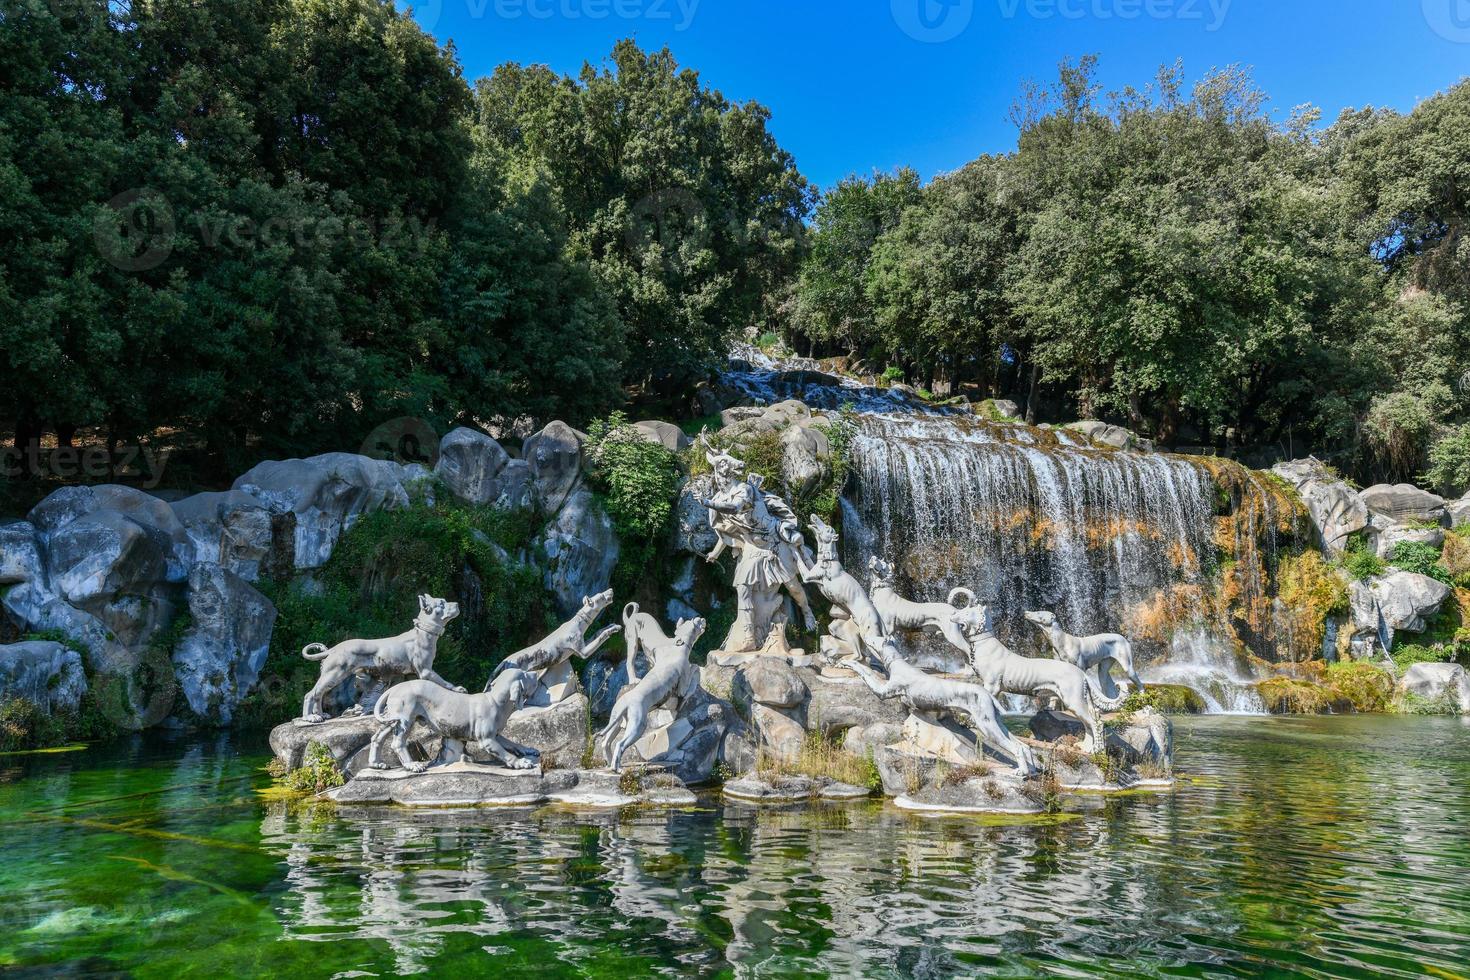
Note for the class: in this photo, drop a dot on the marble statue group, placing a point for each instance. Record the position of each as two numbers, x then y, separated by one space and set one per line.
662 710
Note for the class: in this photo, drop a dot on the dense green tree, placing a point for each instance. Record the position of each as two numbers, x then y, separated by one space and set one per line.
681 202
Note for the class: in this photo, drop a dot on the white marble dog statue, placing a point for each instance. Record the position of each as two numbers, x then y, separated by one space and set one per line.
1087 652
1002 670
670 678
410 653
855 620
969 703
477 718
552 655
901 614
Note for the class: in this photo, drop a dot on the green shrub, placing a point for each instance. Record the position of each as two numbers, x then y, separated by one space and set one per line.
640 479
1444 703
1407 656
1311 592
1420 558
768 341
1449 461
23 725
892 375
318 772
1361 562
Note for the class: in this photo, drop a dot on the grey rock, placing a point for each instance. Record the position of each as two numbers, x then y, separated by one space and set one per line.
218 659
804 452
692 534
1407 600
1435 681
733 416
342 737
1394 534
1103 434
1007 407
770 681
1146 740
581 549
1335 509
788 412
20 556
327 494
1459 511
1403 502
477 470
770 788
665 434
112 506
468 784
555 458
105 554
558 732
232 529
49 675
865 740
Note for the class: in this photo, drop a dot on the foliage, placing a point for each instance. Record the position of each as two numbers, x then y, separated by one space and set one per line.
296 221
24 725
640 477
1421 559
1445 703
317 774
1362 562
1449 461
369 586
1407 656
820 757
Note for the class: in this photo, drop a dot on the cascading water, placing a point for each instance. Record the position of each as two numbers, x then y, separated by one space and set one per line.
1032 519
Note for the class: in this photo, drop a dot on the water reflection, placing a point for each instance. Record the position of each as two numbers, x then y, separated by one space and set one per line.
1312 846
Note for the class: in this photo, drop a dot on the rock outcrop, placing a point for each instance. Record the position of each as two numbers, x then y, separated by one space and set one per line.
1439 682
477 470
218 659
1337 512
1403 503
49 675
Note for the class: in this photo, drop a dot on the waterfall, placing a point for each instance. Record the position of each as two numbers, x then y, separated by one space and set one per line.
1087 534
1174 552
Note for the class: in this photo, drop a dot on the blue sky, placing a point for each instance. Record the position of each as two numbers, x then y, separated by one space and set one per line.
876 84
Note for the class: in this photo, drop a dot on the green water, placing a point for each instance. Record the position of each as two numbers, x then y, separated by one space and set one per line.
1318 847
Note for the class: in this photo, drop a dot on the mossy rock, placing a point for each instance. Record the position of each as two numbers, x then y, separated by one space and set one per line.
1287 696
1167 699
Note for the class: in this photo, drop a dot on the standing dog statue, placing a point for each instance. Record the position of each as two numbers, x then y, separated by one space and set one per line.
1086 652
670 678
1000 669
900 614
969 703
410 653
477 718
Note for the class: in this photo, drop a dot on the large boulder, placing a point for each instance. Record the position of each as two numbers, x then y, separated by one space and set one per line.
103 555
692 534
477 470
581 549
218 660
1111 436
1459 511
232 529
114 504
46 674
1408 600
1436 681
20 556
555 458
805 451
326 495
666 434
1395 534
1335 509
1403 503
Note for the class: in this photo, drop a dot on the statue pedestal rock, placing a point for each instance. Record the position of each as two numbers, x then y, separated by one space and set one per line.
467 783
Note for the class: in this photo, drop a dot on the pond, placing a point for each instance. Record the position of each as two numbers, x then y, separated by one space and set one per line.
1311 846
